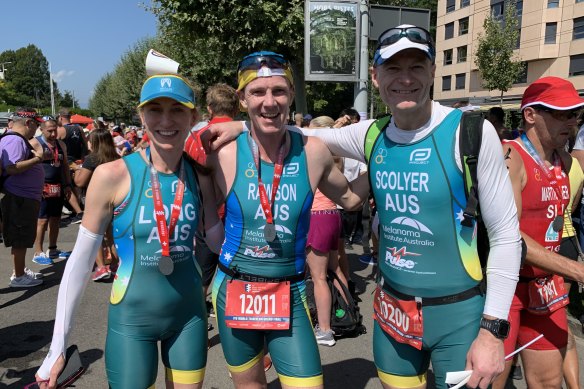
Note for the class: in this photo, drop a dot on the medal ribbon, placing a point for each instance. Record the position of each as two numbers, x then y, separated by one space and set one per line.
278 169
557 167
163 230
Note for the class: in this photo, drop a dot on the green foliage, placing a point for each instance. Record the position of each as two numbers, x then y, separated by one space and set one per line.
27 78
116 95
68 100
495 52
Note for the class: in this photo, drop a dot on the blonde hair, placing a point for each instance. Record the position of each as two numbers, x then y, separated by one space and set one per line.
321 122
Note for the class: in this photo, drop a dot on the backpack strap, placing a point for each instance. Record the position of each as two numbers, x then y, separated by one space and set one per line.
470 137
373 132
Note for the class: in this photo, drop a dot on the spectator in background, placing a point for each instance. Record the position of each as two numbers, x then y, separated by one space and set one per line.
22 195
72 137
306 120
57 187
102 150
298 119
496 116
322 250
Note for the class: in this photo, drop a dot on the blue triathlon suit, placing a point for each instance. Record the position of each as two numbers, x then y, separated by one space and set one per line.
293 351
147 307
425 252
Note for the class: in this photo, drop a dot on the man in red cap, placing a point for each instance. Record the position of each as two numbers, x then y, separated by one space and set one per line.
538 166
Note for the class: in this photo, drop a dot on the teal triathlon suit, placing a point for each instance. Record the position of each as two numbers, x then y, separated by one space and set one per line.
147 307
294 351
425 252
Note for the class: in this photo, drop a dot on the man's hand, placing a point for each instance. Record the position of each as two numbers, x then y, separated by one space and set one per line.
217 134
486 358
55 371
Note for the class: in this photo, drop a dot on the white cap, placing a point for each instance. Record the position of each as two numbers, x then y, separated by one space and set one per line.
382 54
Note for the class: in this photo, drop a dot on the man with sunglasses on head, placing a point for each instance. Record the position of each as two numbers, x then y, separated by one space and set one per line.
538 167
268 177
430 303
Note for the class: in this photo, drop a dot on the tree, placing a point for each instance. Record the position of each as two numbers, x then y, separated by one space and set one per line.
68 100
495 55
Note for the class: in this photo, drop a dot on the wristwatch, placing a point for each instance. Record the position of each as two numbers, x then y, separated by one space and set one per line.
498 327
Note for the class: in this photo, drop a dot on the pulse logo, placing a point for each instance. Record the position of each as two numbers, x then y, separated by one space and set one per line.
247 288
420 156
394 257
291 169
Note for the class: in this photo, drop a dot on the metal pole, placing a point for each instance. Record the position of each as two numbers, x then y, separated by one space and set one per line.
52 91
360 94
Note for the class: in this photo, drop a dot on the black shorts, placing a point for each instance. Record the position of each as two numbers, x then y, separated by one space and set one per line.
19 220
51 207
569 249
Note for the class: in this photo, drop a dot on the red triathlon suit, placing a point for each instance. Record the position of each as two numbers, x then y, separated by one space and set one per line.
544 198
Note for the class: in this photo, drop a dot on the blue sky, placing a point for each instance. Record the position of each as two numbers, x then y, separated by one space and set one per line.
82 39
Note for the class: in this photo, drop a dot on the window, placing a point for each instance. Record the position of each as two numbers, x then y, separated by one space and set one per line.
466 3
450 5
576 65
522 76
553 3
446 81
460 80
497 11
449 30
578 28
448 57
463 26
461 54
550 33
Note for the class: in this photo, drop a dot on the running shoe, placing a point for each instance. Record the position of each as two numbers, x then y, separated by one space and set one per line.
24 281
65 211
102 273
58 254
77 218
325 338
28 272
368 259
113 267
210 309
42 259
267 362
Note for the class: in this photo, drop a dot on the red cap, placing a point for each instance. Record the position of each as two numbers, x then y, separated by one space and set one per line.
552 92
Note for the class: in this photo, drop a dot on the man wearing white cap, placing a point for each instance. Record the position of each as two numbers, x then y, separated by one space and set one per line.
430 304
538 166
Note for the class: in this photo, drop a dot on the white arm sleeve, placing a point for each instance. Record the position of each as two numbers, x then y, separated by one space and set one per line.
73 283
500 216
215 236
347 141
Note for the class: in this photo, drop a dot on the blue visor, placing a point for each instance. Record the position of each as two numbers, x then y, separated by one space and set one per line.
167 85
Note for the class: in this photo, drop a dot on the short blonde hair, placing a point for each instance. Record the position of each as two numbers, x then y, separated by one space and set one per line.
321 122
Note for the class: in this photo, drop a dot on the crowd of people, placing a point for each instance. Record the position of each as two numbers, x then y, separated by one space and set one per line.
247 209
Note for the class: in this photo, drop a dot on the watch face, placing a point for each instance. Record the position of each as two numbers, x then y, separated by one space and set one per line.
504 328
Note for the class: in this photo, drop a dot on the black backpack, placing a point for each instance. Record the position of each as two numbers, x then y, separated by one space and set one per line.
346 318
471 135
4 176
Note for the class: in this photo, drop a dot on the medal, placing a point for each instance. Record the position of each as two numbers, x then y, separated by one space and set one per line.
165 265
558 223
269 232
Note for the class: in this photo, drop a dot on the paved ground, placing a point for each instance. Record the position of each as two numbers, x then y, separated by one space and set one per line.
26 323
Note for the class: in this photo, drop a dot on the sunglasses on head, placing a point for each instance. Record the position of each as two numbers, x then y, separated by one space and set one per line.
561 115
258 60
413 34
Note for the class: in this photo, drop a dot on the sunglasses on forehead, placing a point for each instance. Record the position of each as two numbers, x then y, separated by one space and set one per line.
258 60
413 34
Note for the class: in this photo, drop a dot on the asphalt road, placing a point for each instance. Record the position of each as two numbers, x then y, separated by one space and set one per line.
27 317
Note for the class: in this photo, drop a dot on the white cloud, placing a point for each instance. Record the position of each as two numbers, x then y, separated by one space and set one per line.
61 74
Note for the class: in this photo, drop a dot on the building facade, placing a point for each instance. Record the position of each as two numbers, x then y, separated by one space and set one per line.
551 44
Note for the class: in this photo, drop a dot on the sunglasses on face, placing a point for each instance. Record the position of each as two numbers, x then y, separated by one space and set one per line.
413 34
256 62
560 115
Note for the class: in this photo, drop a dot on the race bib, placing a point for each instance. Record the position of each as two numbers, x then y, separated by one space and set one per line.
402 320
257 305
51 190
547 295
